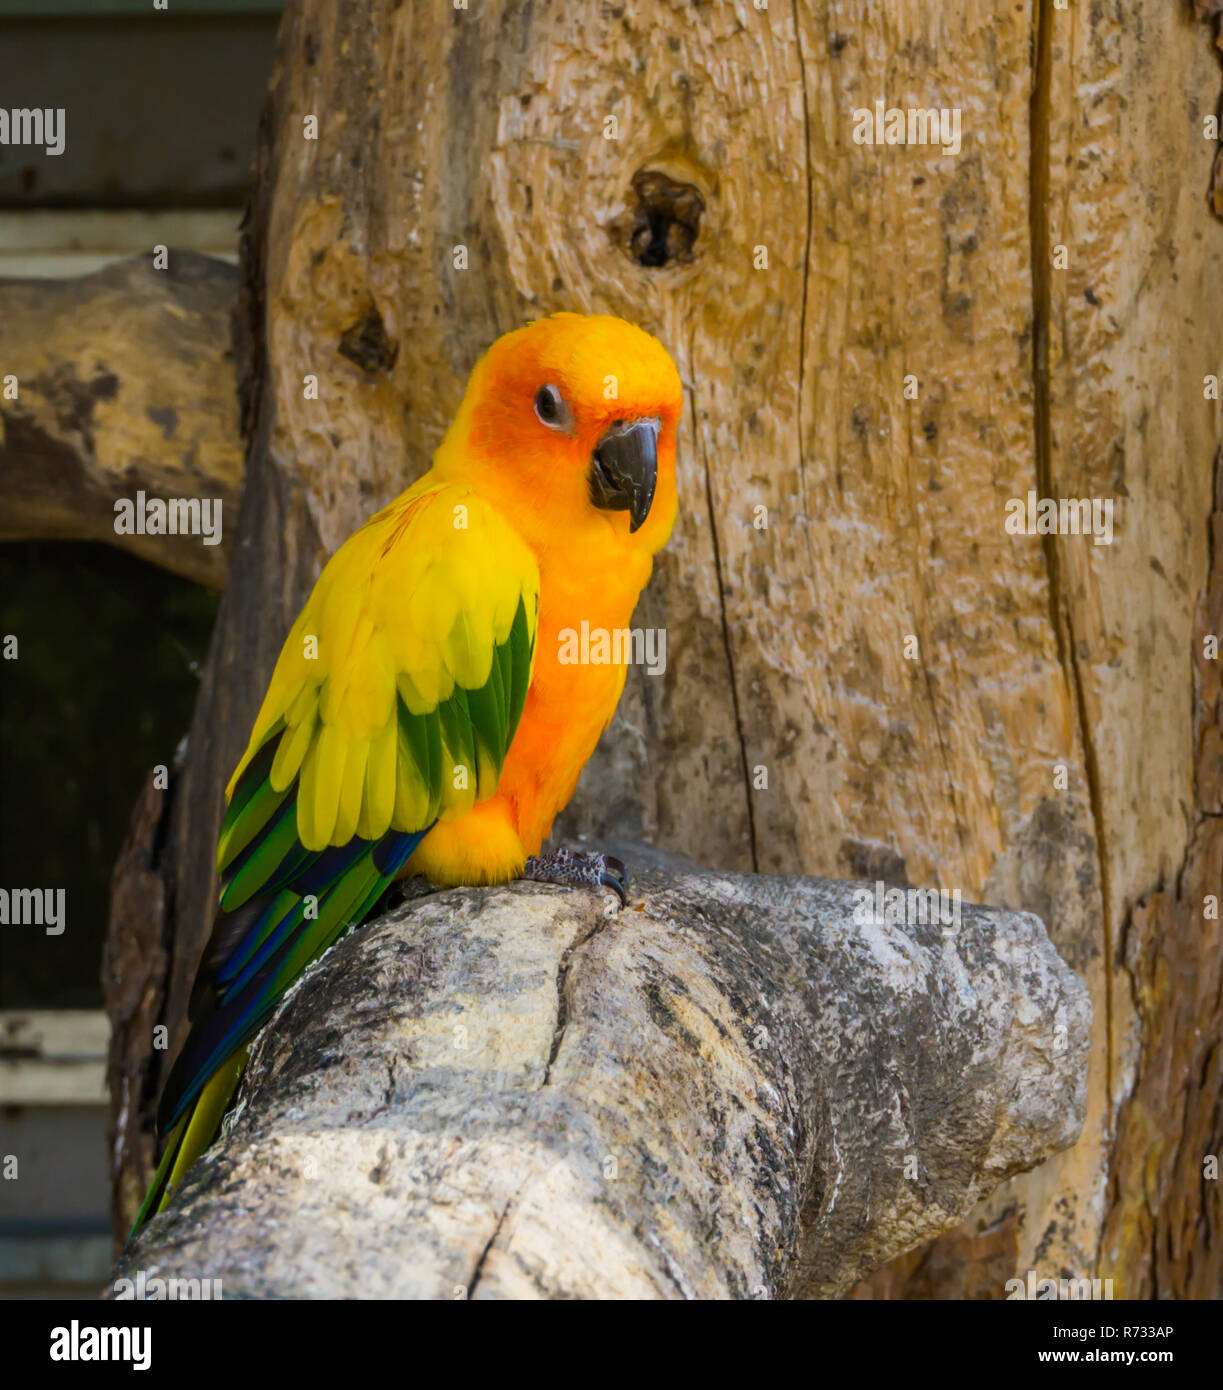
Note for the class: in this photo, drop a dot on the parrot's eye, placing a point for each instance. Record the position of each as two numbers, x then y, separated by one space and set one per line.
551 408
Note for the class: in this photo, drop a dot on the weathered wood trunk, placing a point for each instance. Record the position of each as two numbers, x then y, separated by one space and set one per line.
867 675
734 1088
114 383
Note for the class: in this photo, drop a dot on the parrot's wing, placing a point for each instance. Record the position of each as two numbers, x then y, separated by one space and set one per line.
393 703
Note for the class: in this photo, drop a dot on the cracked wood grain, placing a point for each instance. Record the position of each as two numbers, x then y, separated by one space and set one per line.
727 644
753 1096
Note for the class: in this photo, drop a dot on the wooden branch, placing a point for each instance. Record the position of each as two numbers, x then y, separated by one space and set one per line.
729 1089
124 383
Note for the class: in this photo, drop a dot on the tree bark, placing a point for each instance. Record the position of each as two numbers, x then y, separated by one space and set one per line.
124 382
867 674
738 1087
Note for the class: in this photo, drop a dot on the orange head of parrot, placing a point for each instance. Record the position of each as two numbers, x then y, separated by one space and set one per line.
570 424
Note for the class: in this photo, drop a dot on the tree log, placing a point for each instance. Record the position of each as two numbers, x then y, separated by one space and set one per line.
125 382
734 1088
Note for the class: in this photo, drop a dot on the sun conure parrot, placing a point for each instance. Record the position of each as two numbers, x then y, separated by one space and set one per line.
421 719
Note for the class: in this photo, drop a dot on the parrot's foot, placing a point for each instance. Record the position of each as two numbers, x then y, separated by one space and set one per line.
578 869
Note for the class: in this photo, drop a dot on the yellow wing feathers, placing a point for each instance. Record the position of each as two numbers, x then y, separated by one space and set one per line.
407 616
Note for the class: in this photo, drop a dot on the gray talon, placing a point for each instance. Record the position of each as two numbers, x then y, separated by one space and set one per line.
579 869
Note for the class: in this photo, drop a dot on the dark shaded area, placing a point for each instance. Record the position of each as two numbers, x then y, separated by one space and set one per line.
366 343
666 219
102 690
160 109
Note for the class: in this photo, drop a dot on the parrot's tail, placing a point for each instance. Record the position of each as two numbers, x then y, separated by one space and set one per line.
191 1136
260 944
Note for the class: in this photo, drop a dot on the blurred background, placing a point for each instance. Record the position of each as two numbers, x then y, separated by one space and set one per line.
163 108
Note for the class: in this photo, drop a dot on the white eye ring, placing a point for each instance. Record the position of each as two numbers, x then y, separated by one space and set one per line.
551 410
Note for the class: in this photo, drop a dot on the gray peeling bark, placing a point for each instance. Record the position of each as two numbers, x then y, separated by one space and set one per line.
124 382
728 1090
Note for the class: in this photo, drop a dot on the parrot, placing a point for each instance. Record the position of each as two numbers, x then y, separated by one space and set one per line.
425 715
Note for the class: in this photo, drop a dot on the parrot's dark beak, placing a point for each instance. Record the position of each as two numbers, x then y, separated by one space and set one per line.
624 469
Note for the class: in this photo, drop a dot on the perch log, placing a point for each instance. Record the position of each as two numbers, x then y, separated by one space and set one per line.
730 1089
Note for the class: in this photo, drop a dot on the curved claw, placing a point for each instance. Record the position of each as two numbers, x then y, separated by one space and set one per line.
616 879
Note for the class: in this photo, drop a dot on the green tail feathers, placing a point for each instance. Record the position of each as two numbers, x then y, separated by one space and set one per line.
191 1136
